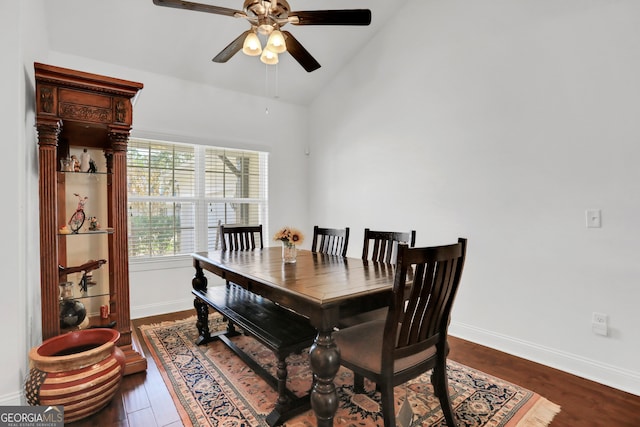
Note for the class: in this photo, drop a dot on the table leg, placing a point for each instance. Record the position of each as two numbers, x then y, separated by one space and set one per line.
199 282
324 358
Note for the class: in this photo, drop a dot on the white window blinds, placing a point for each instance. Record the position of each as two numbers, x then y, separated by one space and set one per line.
178 194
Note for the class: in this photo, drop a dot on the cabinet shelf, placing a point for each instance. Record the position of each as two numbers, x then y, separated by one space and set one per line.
97 173
93 322
87 233
88 294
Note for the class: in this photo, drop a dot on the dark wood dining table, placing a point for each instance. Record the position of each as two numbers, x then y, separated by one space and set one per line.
318 286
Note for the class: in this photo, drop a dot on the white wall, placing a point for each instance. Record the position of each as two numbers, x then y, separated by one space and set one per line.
10 116
502 122
21 32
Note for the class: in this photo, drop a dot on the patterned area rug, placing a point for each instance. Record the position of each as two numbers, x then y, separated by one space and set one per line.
211 386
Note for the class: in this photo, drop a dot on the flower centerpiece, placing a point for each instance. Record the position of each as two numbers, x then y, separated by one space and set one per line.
290 237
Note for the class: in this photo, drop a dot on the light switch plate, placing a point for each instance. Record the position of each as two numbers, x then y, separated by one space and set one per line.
594 218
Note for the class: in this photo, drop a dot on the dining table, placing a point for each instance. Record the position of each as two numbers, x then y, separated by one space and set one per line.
320 287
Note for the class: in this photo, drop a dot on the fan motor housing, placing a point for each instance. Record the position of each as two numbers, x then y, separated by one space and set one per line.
261 8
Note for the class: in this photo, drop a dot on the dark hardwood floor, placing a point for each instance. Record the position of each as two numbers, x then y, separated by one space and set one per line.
144 400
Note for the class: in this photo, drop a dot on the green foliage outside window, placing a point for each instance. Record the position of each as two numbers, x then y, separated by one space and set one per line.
170 214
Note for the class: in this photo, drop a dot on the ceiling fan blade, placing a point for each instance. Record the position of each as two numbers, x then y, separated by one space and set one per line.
199 7
231 49
331 17
299 53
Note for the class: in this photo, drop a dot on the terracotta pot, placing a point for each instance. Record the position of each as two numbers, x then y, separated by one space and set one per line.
80 370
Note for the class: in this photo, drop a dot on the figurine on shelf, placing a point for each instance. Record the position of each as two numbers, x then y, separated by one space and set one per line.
94 225
92 166
85 158
76 163
78 217
65 165
86 269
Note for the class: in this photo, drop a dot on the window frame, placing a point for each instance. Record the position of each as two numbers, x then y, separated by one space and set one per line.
200 202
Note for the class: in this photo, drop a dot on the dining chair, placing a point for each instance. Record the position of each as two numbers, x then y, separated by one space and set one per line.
240 237
381 246
378 246
412 339
332 241
235 237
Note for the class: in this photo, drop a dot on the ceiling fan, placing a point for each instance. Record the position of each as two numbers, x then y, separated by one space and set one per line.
267 17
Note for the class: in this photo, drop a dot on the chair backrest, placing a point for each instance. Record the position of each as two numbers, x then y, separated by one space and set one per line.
421 321
240 237
332 241
383 245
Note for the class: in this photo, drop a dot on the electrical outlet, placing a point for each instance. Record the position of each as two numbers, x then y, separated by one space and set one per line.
599 324
599 318
594 218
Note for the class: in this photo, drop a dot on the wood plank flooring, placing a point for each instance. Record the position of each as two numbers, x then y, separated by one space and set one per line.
144 400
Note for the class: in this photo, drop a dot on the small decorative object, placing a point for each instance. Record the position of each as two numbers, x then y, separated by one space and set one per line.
65 165
72 311
75 163
92 166
78 217
64 230
80 370
85 158
104 311
290 237
86 269
94 225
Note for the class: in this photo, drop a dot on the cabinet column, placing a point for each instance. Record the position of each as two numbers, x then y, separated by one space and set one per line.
119 247
48 131
118 250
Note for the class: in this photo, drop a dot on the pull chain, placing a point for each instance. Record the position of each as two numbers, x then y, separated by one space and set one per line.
266 87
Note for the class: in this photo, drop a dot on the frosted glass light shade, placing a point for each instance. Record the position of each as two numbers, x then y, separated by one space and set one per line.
276 42
269 57
251 45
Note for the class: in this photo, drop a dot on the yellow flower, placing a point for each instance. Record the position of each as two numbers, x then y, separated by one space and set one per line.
290 235
296 237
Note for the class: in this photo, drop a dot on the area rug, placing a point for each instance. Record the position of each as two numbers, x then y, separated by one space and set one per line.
211 386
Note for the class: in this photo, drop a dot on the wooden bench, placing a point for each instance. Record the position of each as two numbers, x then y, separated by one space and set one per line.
279 329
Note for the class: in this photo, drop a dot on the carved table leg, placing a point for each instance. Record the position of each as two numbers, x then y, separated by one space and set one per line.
199 282
277 416
324 358
282 381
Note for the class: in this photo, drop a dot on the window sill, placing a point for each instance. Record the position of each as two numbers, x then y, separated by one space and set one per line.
165 263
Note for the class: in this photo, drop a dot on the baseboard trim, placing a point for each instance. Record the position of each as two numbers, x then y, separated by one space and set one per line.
161 308
612 376
12 399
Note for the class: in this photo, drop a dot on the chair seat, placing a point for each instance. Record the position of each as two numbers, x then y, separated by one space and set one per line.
368 316
354 340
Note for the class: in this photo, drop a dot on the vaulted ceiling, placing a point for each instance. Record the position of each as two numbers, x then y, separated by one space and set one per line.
181 43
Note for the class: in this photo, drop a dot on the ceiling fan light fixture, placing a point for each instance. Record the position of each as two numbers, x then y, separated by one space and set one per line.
269 57
265 28
276 42
251 45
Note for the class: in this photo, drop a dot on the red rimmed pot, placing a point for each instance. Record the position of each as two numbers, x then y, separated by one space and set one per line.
80 370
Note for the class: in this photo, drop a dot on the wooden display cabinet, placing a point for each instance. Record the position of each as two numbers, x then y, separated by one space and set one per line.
78 111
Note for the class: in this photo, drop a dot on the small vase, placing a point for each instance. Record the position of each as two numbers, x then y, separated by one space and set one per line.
289 253
72 311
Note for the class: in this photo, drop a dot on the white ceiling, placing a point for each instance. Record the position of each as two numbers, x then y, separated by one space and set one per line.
181 43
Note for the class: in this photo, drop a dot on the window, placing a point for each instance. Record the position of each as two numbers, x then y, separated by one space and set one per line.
178 194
